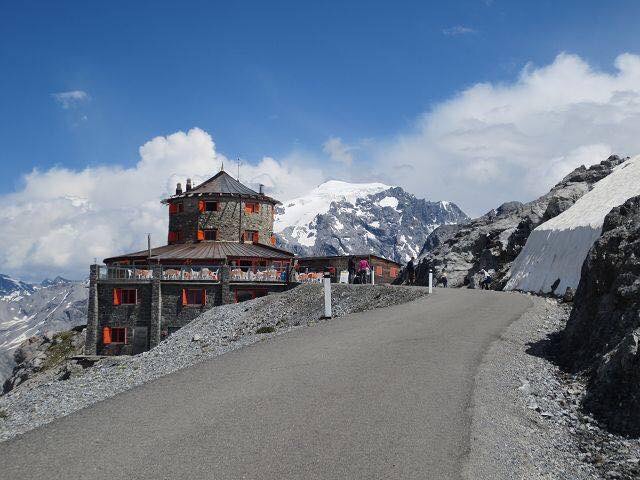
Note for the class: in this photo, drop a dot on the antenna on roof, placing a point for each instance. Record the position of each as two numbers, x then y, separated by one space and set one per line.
239 163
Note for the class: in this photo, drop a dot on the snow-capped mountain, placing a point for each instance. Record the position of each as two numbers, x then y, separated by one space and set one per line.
339 218
552 258
27 309
10 286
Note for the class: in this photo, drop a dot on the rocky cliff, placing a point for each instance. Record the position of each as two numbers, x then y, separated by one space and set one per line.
602 336
494 240
46 357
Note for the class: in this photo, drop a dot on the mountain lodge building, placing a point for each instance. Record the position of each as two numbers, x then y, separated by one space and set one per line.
220 249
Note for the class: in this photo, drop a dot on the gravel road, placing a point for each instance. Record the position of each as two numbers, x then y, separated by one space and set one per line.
378 394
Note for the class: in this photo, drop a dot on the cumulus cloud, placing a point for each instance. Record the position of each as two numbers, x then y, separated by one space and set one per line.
70 99
338 151
458 30
61 219
498 142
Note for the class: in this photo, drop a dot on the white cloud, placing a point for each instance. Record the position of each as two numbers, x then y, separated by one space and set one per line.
458 30
498 142
338 151
61 219
70 99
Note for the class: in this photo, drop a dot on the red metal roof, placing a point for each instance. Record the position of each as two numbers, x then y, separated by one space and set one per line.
206 251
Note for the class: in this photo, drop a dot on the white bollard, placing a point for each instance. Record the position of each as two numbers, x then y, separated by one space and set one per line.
430 281
327 295
373 277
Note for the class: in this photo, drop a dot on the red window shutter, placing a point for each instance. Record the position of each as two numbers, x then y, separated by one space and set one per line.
273 239
173 236
106 335
256 237
184 297
257 208
200 234
244 236
204 297
117 296
201 206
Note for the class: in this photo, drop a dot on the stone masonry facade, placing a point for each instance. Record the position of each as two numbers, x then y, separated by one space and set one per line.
230 219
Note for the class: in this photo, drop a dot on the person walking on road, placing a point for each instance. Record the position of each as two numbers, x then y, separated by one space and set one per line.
444 280
411 272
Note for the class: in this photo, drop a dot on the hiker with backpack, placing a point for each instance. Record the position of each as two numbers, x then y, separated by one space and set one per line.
411 272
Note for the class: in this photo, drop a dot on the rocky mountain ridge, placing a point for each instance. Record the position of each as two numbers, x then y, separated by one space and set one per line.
340 218
494 240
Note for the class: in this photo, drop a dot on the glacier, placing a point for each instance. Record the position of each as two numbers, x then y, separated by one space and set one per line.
556 249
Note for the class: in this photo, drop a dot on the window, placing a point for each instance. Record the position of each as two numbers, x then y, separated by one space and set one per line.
175 236
252 207
192 296
393 272
118 335
177 207
251 236
379 270
114 335
211 234
211 206
244 295
125 296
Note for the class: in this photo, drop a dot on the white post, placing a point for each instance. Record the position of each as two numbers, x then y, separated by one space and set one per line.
327 295
430 281
373 277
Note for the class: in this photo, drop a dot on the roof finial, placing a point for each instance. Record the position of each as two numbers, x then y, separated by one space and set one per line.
222 166
239 162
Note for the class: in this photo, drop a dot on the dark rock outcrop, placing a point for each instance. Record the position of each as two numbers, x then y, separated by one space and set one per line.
493 241
602 337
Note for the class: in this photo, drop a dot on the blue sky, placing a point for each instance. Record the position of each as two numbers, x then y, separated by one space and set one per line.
106 105
263 78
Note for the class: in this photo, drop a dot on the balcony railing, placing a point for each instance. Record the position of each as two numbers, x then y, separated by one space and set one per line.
192 273
136 274
258 274
124 273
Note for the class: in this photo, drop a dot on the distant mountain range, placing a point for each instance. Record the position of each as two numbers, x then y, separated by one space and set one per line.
338 218
28 309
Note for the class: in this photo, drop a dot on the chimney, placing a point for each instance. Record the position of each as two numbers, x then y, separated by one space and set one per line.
188 184
179 189
261 189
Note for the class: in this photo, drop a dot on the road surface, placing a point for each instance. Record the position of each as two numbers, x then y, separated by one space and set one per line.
380 394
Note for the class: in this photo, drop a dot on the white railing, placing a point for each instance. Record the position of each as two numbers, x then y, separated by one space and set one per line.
192 273
122 273
257 274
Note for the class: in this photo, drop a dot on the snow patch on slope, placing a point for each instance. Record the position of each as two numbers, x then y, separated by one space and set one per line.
557 248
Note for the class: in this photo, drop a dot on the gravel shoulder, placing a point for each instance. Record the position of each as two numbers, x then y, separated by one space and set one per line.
526 416
216 332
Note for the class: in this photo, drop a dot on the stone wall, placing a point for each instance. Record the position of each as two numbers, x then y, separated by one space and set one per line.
129 316
174 314
226 220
